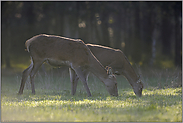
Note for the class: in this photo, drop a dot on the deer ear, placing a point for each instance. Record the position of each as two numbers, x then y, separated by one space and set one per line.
109 70
107 67
139 76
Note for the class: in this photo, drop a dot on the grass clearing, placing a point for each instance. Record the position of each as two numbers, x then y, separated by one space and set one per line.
54 103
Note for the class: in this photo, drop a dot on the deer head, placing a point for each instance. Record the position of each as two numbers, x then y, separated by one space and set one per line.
110 85
138 88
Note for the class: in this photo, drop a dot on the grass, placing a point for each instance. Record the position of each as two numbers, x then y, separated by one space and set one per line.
54 103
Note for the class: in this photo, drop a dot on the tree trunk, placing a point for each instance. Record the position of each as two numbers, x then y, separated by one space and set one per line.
178 36
166 34
136 49
67 32
8 45
105 33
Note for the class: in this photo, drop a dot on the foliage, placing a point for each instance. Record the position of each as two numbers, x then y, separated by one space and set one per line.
142 30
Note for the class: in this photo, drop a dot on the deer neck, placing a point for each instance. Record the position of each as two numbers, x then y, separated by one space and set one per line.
132 79
98 70
130 74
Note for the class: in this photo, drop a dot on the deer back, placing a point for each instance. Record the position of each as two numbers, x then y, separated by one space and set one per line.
58 48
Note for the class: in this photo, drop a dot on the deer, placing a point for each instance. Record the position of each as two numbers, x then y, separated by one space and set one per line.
116 59
59 51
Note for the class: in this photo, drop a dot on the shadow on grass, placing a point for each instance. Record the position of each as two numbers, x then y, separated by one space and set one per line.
151 97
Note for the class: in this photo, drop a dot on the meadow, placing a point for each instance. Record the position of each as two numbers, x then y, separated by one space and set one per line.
161 99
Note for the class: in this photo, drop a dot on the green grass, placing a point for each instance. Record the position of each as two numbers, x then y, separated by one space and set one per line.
53 101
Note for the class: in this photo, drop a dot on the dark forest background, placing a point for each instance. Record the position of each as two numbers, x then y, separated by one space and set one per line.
149 33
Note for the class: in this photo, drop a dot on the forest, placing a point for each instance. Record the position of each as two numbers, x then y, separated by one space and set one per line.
149 33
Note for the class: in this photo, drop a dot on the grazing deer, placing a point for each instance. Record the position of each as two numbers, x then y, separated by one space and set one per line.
58 51
116 59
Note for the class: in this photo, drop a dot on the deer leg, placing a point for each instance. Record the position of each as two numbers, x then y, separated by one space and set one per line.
33 73
74 80
83 78
25 74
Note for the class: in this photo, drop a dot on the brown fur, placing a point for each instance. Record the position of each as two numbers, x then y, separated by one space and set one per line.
58 51
119 63
116 59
